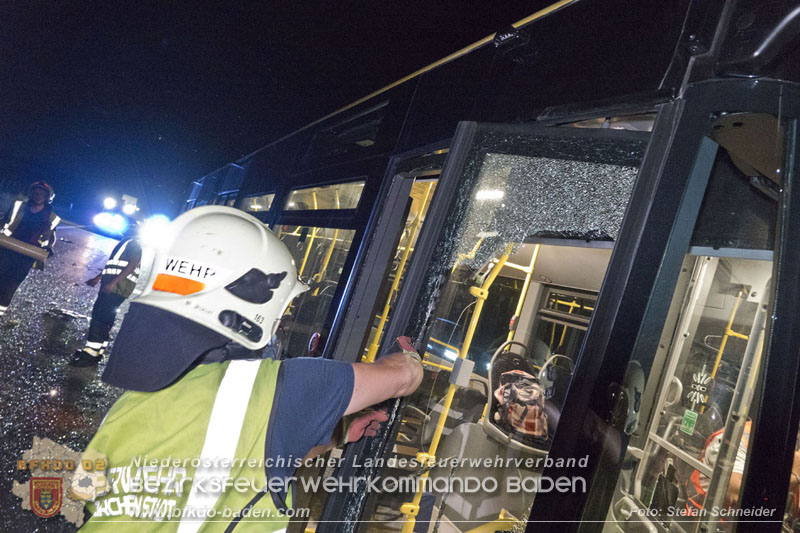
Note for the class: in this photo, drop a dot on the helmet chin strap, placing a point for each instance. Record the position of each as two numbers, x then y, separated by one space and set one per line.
230 351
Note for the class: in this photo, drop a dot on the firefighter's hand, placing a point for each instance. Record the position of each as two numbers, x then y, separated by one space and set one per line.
366 425
94 281
794 483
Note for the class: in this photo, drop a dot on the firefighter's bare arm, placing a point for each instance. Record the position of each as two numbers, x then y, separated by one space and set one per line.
732 496
794 482
392 376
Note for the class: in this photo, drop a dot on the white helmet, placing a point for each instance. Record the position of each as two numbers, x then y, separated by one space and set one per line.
225 270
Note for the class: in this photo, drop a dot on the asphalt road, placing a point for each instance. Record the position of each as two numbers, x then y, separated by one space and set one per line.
40 395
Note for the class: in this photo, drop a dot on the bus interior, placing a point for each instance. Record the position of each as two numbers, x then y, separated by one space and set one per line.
540 299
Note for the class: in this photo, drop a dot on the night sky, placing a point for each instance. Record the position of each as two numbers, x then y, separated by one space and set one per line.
112 97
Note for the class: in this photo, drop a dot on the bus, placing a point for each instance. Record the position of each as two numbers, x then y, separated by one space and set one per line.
584 222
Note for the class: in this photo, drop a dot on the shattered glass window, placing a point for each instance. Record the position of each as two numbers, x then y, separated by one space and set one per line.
518 187
495 294
518 197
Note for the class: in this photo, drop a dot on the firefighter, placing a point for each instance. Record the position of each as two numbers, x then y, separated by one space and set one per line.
32 222
216 418
117 281
698 483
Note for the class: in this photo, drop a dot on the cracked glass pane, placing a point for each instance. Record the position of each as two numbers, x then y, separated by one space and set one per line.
517 308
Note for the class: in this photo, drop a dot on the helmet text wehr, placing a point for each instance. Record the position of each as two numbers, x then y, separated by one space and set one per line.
189 268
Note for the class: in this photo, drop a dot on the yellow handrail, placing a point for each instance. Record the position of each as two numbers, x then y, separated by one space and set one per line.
528 273
425 361
410 509
729 333
564 331
376 340
440 343
468 255
574 304
318 277
310 241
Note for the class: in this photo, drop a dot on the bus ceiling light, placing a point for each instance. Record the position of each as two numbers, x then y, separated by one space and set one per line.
489 194
129 209
111 222
109 203
153 232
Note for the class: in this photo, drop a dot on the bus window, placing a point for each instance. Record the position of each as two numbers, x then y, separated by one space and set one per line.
340 196
257 204
514 305
562 321
319 254
421 196
685 466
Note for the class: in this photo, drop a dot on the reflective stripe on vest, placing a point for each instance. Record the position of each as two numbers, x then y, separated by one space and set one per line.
115 265
54 221
222 436
695 493
16 217
12 222
162 439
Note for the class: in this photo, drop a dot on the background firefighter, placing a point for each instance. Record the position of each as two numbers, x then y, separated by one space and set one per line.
117 282
32 222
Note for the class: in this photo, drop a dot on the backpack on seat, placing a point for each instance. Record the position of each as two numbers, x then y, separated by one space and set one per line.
520 408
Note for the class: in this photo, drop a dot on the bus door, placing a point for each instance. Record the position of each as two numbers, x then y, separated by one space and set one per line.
683 407
500 292
693 419
398 221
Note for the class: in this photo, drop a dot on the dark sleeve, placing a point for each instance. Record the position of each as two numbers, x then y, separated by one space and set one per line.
312 397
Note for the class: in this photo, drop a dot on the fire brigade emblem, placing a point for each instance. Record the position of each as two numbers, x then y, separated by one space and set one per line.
45 496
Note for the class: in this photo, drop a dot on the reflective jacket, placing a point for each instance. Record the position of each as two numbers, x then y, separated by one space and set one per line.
696 487
177 454
121 255
47 237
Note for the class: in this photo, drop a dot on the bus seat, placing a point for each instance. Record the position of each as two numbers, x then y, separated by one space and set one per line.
505 361
540 352
467 406
470 445
555 376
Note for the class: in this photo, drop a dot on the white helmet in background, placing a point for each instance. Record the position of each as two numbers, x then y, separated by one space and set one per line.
223 269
